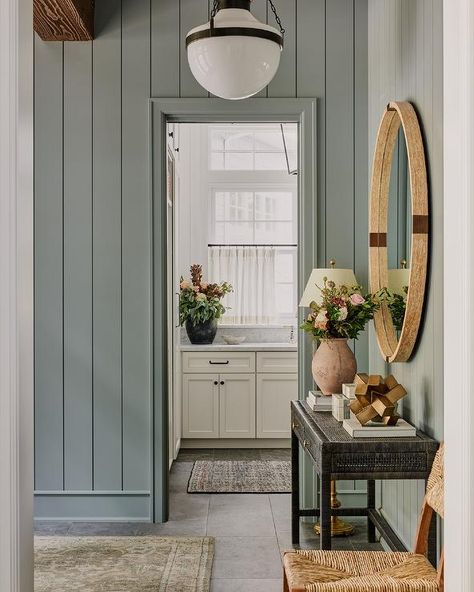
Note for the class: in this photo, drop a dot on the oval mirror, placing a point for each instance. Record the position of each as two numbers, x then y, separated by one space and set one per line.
398 226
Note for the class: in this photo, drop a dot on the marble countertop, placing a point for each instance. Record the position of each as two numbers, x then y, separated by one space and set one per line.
241 347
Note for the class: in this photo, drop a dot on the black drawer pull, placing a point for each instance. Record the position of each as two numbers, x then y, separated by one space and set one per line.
215 382
218 363
222 382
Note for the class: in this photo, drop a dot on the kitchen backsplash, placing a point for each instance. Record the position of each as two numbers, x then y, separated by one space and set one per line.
252 334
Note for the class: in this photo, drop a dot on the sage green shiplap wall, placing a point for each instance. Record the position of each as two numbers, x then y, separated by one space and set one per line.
405 63
93 375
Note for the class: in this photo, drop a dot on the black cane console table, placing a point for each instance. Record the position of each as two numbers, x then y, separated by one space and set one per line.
336 455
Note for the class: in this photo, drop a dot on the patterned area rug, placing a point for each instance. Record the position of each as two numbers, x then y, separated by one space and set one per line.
123 564
240 476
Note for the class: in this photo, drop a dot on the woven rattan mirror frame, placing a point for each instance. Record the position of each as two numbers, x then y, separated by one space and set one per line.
395 115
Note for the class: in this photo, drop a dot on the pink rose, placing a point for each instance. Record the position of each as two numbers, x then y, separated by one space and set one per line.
196 288
321 325
184 285
204 285
357 299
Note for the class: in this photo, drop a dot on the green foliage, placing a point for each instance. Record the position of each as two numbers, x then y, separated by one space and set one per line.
396 305
200 301
343 312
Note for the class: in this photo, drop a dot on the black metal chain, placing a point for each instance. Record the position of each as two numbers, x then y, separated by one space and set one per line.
215 8
277 18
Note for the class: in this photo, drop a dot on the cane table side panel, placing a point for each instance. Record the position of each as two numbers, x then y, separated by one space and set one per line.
335 452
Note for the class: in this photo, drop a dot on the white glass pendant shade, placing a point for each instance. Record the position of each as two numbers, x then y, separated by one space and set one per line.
234 66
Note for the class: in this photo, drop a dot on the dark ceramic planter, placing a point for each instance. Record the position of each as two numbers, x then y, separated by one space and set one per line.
202 333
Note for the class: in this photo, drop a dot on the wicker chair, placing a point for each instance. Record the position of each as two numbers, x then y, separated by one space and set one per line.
374 571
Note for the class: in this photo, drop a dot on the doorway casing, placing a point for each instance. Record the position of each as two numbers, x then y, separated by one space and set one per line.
261 110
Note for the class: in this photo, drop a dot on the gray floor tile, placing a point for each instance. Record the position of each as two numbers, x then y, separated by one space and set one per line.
186 527
240 515
103 529
281 510
256 557
51 527
184 506
246 585
192 454
358 546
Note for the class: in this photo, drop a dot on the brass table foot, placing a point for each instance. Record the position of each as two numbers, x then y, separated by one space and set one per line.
338 527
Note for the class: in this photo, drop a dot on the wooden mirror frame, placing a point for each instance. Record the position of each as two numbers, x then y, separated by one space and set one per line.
395 115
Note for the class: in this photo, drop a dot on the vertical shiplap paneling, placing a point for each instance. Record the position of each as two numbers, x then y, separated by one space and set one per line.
165 48
361 178
192 13
284 82
77 266
107 247
48 265
339 133
311 82
136 246
321 58
409 67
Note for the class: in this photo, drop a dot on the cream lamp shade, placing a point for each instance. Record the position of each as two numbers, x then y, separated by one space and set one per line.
397 280
340 277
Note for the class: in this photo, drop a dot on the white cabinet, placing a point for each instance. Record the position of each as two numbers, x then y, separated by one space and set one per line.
274 393
237 395
237 406
200 406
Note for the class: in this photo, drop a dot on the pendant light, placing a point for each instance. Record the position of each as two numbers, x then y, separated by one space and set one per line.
234 55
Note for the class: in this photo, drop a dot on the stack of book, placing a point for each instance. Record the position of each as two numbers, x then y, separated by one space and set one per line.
316 401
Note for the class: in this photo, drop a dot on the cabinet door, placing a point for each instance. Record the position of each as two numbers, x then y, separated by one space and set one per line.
200 406
237 405
274 393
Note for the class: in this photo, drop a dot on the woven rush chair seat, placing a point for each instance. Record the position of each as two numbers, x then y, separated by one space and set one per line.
358 571
374 571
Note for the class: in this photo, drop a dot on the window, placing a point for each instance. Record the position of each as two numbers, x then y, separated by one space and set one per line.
253 221
247 149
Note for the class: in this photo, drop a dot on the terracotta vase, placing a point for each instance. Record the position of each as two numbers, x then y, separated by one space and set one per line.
334 363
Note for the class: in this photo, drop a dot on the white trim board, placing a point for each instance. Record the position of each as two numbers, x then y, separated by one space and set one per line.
16 296
458 41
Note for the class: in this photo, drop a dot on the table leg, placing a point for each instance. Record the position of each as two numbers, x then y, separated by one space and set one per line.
295 490
371 506
325 511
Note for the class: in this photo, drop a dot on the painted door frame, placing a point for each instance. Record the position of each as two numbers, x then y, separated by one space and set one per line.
458 154
16 296
163 111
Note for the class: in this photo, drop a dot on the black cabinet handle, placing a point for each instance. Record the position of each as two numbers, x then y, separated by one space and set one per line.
222 382
215 382
218 363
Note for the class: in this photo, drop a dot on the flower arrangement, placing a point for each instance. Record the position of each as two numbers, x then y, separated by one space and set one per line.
342 313
200 301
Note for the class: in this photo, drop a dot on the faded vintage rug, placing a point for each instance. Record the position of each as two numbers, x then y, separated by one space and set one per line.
123 564
240 476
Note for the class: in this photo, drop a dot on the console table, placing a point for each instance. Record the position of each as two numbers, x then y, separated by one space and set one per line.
336 455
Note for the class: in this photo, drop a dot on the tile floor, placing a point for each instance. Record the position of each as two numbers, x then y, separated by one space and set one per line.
251 531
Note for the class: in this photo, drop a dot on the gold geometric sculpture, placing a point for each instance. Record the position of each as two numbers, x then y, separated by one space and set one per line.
376 399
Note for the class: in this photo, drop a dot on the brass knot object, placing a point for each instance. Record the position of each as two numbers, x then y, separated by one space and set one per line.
376 399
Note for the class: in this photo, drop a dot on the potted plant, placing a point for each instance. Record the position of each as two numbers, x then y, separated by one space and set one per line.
341 314
200 306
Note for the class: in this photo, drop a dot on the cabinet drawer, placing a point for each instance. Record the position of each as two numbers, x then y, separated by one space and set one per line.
283 362
220 361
